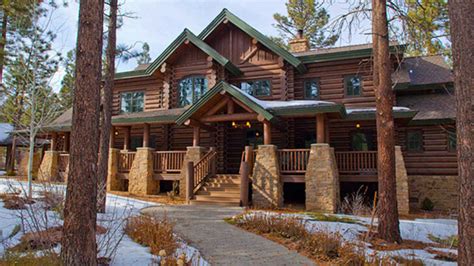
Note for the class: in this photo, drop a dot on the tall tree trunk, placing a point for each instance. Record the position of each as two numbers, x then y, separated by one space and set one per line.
3 43
79 245
106 123
462 36
388 226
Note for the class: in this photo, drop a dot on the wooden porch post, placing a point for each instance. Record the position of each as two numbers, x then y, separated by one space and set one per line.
320 128
112 137
146 135
267 133
54 141
196 136
126 141
66 141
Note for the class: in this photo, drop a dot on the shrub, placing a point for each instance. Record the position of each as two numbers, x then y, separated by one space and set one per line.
355 203
450 241
13 201
153 232
31 259
427 205
41 240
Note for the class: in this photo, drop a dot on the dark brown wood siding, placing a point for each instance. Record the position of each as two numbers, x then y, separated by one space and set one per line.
152 88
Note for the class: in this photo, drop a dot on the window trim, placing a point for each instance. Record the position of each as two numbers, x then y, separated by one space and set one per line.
255 80
346 78
318 83
126 92
422 146
193 77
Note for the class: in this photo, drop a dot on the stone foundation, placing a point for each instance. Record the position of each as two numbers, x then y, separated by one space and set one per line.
22 168
402 182
322 180
113 182
140 178
441 190
267 187
193 154
48 170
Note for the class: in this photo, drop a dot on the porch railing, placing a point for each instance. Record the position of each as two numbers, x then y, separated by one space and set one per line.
63 162
168 161
293 161
204 168
125 161
356 162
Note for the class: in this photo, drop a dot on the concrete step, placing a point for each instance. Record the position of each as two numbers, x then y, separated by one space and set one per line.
215 203
217 198
227 194
229 188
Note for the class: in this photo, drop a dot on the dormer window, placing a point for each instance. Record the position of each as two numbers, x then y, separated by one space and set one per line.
191 89
132 102
257 87
353 85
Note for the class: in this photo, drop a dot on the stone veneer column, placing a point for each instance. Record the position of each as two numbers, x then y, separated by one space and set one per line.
402 182
140 178
48 170
267 187
322 179
113 182
193 154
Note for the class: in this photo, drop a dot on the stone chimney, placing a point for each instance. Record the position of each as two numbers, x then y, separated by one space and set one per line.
299 44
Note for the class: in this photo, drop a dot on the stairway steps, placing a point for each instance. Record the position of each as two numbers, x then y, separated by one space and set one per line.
222 190
215 203
227 194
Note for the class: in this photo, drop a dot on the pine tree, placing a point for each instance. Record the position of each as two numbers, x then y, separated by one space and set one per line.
144 57
306 15
66 91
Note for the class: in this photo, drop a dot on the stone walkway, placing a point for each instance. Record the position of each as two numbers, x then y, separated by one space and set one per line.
221 243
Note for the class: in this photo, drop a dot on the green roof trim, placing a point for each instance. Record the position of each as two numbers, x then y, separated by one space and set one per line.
185 35
261 38
356 53
310 110
232 90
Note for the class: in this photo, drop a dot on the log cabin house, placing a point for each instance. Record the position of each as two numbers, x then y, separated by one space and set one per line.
302 120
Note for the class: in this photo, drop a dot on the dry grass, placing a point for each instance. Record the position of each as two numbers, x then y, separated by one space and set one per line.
13 201
155 233
447 242
30 259
442 255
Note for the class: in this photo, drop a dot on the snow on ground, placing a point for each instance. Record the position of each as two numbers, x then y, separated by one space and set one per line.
118 208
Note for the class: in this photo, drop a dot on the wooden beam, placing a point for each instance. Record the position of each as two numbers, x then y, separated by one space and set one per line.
146 135
54 141
126 142
245 107
217 107
67 137
196 136
163 68
195 123
267 133
320 128
226 117
112 137
230 107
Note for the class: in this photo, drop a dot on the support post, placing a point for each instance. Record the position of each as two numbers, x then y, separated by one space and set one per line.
249 157
54 141
189 181
66 141
320 128
196 136
126 141
112 138
267 133
146 135
244 184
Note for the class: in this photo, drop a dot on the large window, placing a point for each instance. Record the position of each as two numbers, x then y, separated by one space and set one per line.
132 102
311 89
353 85
191 89
415 140
257 87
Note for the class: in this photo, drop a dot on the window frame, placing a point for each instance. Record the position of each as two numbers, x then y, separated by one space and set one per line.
361 87
122 111
270 87
407 141
450 140
193 96
318 84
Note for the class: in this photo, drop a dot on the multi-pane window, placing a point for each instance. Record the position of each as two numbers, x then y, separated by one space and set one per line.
353 85
414 140
451 140
311 89
132 102
362 141
191 89
257 87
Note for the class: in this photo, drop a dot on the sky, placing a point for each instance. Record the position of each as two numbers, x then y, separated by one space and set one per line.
159 22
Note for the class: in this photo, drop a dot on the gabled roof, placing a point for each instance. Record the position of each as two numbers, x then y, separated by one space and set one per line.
430 107
261 38
185 35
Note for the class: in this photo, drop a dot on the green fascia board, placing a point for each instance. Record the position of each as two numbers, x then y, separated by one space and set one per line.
310 110
185 35
151 119
367 52
235 92
226 14
371 115
430 122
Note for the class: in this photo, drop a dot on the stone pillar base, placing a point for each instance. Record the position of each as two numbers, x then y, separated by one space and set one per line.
48 170
193 154
322 180
140 178
267 187
113 182
23 164
402 182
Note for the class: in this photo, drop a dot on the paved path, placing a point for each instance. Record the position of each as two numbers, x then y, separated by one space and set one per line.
221 243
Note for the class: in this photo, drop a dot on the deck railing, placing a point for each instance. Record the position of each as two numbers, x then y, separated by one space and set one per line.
63 162
168 161
125 161
356 162
204 168
293 161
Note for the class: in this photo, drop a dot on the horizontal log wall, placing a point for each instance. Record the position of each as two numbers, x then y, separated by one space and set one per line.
155 99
